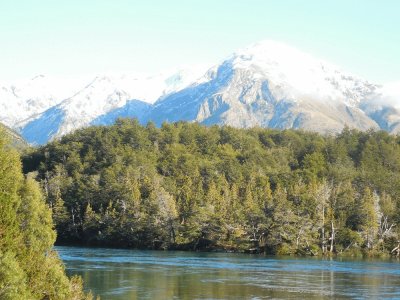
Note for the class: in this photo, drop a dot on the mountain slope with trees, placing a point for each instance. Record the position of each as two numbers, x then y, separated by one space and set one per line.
187 186
15 140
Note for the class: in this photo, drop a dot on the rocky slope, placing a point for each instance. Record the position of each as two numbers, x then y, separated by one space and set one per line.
272 85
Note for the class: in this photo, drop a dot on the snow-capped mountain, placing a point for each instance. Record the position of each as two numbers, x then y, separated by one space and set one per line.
267 84
384 108
104 94
24 99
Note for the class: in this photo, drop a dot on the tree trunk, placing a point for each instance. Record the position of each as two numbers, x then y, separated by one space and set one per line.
332 236
323 229
396 250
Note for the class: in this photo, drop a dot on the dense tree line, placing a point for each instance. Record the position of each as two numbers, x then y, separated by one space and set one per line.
186 186
29 268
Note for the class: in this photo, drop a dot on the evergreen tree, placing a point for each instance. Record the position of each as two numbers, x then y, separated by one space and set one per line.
29 268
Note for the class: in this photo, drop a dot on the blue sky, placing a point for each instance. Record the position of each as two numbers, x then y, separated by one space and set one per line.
94 36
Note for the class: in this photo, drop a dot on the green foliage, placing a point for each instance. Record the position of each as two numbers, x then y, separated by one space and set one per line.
185 186
29 269
15 140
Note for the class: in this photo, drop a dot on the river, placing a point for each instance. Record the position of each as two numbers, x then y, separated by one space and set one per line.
116 274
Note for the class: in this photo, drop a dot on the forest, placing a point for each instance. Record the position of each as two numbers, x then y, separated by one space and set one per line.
29 267
191 187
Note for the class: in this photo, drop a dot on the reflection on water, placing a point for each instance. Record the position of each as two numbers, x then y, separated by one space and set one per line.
132 274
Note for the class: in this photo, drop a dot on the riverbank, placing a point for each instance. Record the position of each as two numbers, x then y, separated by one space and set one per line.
209 247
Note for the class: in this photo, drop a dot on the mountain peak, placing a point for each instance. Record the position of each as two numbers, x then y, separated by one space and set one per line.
298 73
269 50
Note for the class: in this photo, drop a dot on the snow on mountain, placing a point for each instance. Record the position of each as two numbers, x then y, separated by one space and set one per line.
267 84
26 98
300 75
391 93
384 109
103 95
132 109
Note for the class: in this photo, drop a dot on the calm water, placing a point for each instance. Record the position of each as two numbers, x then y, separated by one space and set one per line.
132 274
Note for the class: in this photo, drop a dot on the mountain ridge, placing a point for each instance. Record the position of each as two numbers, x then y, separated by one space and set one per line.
267 84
